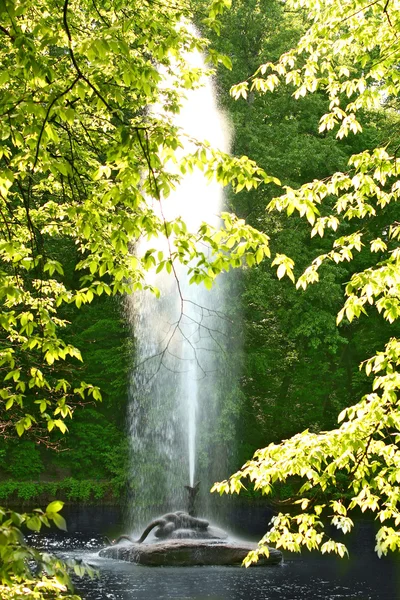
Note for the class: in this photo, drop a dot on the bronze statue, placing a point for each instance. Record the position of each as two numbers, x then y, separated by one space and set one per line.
192 491
168 524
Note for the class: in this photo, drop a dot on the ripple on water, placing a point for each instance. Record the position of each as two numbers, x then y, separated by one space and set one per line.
292 581
309 578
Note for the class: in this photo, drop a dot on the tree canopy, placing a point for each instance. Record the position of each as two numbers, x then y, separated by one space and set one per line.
82 157
303 368
350 51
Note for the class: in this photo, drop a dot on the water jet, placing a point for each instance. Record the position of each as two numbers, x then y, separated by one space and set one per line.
179 382
176 385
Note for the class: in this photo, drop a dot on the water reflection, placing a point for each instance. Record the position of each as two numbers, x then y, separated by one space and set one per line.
308 577
295 580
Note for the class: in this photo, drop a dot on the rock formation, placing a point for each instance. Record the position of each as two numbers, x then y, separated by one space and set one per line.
188 552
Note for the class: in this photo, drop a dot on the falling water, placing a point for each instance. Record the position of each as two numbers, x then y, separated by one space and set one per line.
179 339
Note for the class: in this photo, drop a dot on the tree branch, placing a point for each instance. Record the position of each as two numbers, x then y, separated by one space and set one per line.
6 32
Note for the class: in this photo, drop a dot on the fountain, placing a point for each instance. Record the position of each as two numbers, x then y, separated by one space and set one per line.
175 411
184 540
180 381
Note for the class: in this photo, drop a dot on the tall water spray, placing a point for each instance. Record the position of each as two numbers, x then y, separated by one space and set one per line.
179 337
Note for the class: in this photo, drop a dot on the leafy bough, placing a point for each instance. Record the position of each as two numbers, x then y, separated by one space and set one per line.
357 465
350 51
27 572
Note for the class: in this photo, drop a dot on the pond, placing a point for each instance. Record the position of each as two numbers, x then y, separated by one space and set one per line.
304 577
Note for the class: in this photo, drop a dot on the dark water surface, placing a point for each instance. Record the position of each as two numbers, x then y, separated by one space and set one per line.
304 577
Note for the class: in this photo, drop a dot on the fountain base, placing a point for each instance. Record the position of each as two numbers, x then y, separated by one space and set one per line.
186 541
188 552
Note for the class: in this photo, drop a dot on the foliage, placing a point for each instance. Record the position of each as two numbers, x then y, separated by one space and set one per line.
298 369
23 460
26 572
70 489
81 156
350 51
280 350
95 447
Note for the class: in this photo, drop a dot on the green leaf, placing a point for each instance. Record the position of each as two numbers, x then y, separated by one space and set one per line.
20 427
59 521
34 523
55 506
281 271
